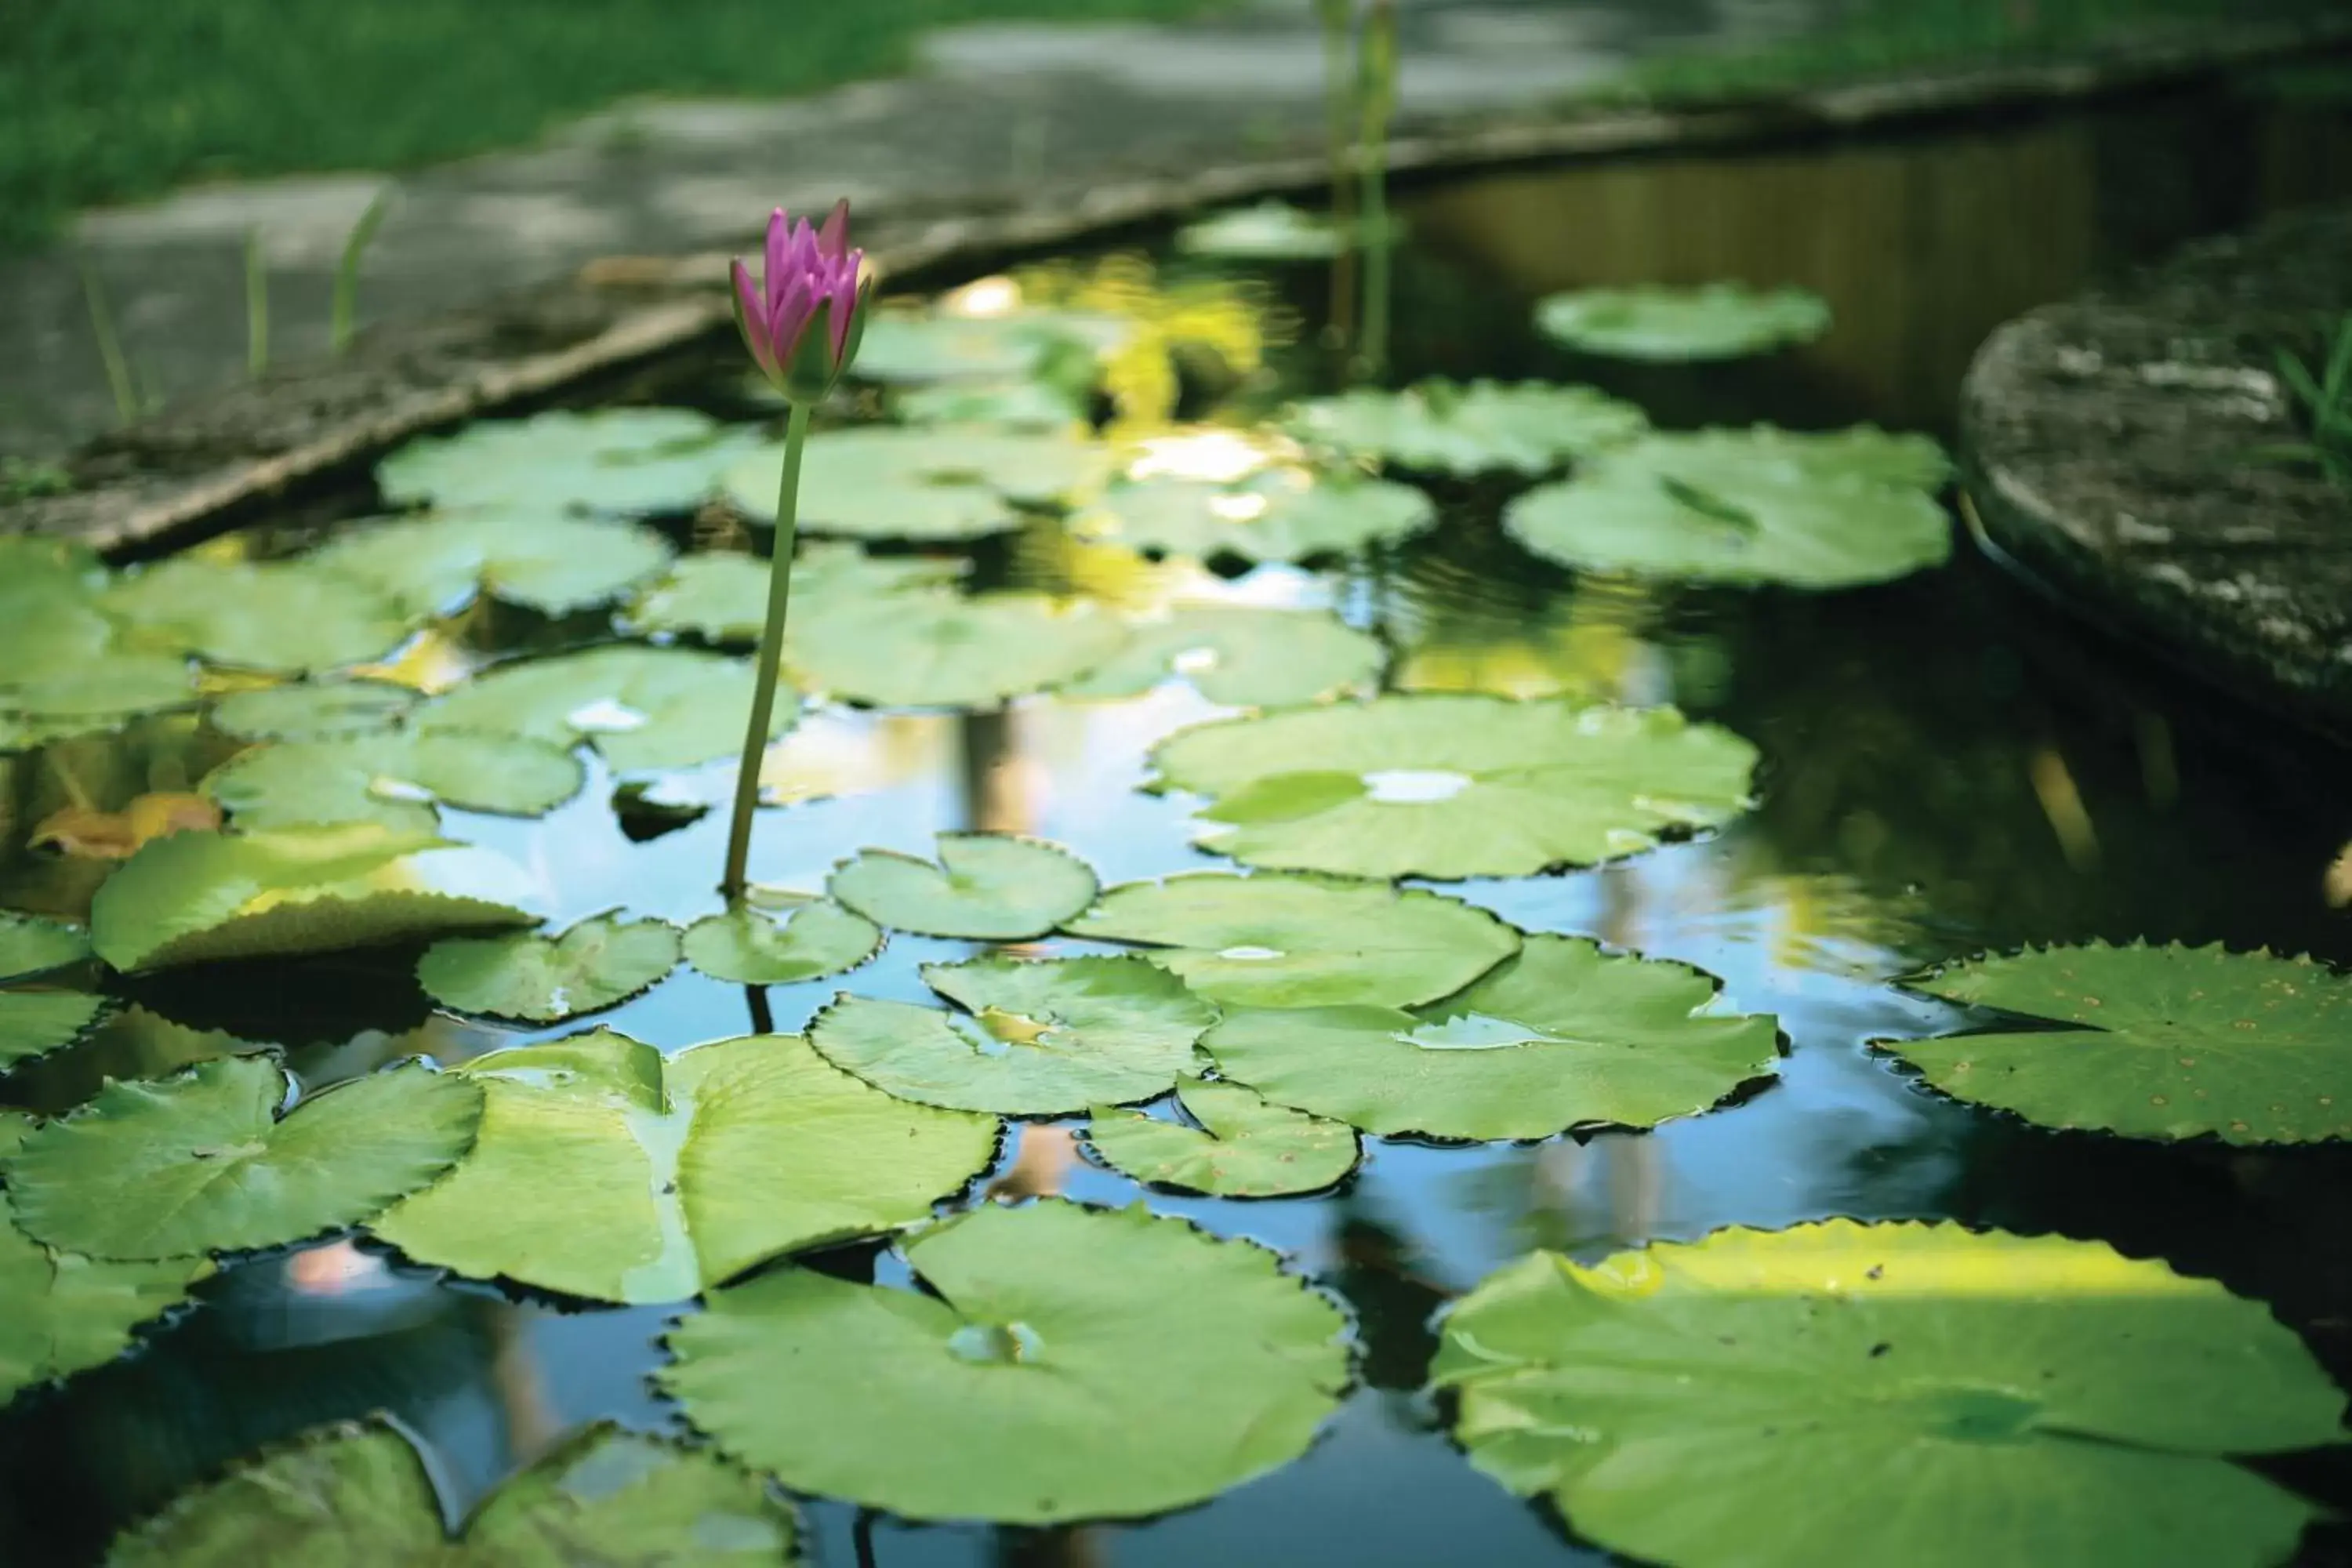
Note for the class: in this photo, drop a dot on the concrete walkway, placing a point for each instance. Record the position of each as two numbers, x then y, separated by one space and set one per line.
994 110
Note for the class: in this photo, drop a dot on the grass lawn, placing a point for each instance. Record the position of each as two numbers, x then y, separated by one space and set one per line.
110 100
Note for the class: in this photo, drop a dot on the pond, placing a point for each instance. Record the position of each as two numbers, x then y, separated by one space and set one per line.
1945 766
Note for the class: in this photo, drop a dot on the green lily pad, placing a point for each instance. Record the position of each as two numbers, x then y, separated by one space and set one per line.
202 1162
1713 322
1746 507
34 1023
1074 1364
1443 426
940 649
723 598
1280 514
394 777
751 946
103 692
1241 655
1454 785
2165 1042
61 1312
312 710
543 560
34 945
598 963
988 887
2060 1403
935 484
613 460
1036 1037
1269 230
194 897
1273 941
906 349
645 709
290 616
608 1171
1560 1036
359 1493
1009 404
1243 1147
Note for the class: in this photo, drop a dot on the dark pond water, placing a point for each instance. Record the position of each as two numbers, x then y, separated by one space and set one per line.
1951 766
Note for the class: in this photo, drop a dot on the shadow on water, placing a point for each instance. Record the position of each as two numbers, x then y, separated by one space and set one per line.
1954 766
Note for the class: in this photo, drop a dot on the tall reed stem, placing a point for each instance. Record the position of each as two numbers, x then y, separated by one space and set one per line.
1339 131
771 657
1378 90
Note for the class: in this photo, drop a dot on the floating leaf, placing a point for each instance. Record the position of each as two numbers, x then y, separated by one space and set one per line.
598 963
1713 322
1013 404
1448 785
286 615
749 946
723 598
199 896
394 778
1272 941
613 459
1074 1364
988 887
940 649
543 560
645 709
312 710
1036 1037
1279 514
359 1493
1241 655
1819 511
61 1312
1560 1036
34 1023
49 623
922 484
33 944
203 1162
2166 1042
607 1169
103 692
1270 230
1445 427
1683 1403
919 349
1244 1146
86 833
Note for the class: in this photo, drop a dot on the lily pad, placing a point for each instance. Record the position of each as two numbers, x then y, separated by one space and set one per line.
1454 785
202 1162
289 616
940 649
1560 1036
608 1171
1443 426
934 484
1274 941
1036 1037
916 350
34 944
2151 1042
103 692
394 777
543 560
61 1312
312 710
613 460
723 598
34 1023
988 887
1279 514
1074 1364
194 897
601 962
2061 1403
1269 230
1713 322
645 709
751 946
359 1493
1746 507
1243 1147
1010 405
1241 656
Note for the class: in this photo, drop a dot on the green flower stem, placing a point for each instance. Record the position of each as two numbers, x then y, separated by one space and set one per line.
770 656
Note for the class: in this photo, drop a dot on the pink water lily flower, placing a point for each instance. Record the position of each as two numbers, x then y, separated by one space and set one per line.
804 320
